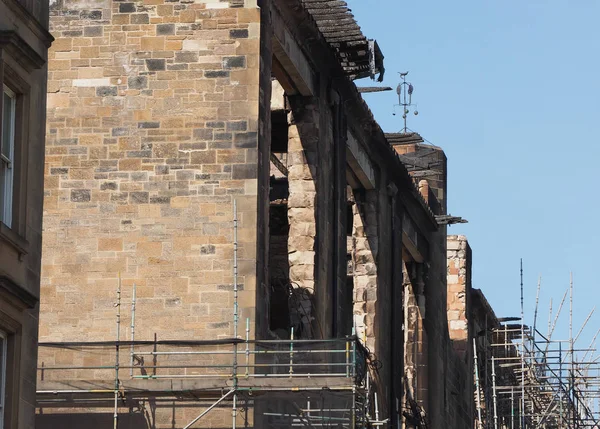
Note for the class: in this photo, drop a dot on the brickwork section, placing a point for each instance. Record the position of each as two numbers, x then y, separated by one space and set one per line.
152 133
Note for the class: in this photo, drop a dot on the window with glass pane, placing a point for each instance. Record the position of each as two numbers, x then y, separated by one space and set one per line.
2 376
7 155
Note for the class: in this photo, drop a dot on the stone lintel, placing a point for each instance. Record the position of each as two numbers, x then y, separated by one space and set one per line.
359 162
291 58
412 240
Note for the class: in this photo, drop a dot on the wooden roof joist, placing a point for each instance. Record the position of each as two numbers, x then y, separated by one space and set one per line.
345 37
352 55
340 30
356 68
351 43
337 19
338 39
328 11
342 22
324 3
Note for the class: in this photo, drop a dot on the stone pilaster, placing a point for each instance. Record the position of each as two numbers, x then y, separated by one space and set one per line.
458 288
364 257
303 137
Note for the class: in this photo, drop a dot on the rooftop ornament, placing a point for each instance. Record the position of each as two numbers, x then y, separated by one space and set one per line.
405 90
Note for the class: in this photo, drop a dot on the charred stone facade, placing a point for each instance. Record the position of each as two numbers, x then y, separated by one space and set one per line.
161 115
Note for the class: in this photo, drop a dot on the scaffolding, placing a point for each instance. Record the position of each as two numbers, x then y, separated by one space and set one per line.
323 381
530 380
278 383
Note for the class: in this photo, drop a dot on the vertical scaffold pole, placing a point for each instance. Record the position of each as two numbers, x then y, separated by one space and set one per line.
353 412
132 331
235 313
571 351
291 372
512 408
494 393
118 305
477 387
522 354
560 381
247 346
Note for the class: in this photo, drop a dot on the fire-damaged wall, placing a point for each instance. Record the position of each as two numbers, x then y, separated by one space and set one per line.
161 115
438 363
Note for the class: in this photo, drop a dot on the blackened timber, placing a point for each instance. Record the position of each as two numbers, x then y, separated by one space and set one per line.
336 23
341 31
277 163
368 89
360 116
324 3
327 12
411 161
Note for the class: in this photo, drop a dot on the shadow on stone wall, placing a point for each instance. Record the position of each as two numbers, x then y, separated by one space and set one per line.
90 421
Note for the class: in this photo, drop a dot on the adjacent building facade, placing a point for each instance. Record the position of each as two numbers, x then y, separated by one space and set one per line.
24 42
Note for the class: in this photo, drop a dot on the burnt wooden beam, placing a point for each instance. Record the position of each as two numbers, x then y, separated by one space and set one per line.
277 163
368 89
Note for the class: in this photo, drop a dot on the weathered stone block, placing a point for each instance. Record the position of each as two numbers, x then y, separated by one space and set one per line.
140 18
234 62
93 31
106 91
80 195
165 29
137 82
238 34
127 7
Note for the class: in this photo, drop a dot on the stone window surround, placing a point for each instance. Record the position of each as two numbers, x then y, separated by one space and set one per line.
17 60
3 373
11 329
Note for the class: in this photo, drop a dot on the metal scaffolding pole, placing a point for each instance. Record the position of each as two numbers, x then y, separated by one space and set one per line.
117 343
494 393
477 386
235 314
522 354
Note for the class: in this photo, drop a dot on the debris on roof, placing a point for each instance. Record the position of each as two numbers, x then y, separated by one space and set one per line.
359 57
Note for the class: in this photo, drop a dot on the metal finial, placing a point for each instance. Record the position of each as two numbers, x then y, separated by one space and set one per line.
405 90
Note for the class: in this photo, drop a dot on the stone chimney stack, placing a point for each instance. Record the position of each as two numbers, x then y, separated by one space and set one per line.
424 162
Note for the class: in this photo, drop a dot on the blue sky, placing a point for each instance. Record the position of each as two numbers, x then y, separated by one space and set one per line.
510 89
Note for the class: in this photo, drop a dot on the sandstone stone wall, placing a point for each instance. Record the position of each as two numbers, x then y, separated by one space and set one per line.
459 287
302 158
153 123
415 341
438 358
152 134
461 329
364 251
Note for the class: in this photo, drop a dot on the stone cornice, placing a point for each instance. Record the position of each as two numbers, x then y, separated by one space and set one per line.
20 50
13 292
31 22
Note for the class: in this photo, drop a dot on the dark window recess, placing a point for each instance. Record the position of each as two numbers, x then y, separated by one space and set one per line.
280 287
279 131
349 219
279 190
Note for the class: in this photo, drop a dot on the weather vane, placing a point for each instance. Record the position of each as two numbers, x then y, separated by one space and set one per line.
404 91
